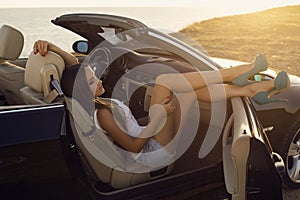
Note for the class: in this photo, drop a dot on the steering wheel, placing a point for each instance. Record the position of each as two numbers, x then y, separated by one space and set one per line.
99 60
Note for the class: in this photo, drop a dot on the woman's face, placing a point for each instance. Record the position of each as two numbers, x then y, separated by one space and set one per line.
94 83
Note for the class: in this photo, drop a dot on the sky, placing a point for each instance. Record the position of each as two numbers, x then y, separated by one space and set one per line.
225 4
225 7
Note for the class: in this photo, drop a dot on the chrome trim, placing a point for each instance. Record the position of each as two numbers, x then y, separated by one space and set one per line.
293 159
27 109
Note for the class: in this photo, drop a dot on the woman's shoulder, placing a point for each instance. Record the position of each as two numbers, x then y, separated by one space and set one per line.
101 112
110 100
117 101
115 105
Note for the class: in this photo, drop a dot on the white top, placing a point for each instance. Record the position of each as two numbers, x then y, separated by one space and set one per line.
132 127
158 153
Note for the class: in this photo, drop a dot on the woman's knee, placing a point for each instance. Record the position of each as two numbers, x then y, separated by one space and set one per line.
162 80
168 81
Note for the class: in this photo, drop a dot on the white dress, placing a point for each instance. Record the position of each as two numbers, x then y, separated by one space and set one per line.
152 154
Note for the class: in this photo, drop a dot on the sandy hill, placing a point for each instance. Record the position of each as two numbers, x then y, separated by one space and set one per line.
276 32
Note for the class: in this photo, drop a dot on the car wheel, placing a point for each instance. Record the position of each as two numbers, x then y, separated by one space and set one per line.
290 152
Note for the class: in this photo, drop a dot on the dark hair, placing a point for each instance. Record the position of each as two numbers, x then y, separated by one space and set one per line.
68 79
74 84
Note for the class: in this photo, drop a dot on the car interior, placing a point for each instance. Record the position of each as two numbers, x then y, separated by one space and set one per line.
133 85
11 75
36 83
42 90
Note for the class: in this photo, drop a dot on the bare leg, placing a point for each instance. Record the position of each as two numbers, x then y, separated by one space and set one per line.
197 81
175 120
219 92
188 82
215 92
166 134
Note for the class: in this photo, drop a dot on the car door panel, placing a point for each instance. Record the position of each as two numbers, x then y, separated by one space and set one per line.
31 151
30 124
249 169
236 147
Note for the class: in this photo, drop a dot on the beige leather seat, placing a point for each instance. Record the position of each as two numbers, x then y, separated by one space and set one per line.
101 155
40 75
11 76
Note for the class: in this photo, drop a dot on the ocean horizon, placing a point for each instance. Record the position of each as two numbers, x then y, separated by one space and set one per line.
35 23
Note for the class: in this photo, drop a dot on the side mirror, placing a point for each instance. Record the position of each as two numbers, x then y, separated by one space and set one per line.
81 46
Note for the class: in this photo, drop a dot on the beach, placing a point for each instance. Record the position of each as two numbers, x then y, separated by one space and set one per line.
274 32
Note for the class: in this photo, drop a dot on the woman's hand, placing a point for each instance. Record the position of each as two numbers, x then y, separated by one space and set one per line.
158 114
41 47
169 105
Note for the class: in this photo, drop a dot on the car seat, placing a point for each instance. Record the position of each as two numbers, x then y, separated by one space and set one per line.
42 78
101 155
11 76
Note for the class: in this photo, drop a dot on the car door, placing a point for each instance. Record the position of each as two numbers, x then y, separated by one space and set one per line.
31 150
251 169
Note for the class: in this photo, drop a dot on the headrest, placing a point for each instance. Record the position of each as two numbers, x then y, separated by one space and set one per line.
35 64
11 43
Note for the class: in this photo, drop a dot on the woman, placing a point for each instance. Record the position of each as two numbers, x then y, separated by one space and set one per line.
163 123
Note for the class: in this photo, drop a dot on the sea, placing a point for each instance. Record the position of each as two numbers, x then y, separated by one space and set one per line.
35 23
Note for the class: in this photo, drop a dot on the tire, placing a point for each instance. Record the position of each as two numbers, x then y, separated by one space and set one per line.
290 152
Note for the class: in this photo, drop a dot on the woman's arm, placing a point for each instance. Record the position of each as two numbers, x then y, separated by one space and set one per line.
107 122
42 47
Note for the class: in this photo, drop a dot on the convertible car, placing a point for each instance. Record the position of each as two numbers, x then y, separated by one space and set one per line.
50 148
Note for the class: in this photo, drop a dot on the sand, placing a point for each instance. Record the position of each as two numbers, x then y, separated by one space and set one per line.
275 32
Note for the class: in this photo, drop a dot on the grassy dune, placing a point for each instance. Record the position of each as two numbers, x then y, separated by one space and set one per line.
275 32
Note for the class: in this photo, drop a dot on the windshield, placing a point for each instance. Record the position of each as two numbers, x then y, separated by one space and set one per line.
189 41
